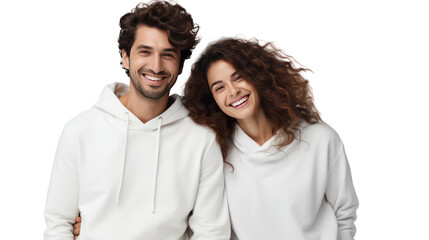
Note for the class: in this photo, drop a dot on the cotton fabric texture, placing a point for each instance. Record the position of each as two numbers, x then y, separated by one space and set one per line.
303 191
134 180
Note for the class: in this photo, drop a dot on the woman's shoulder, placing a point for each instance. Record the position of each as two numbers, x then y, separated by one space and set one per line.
319 131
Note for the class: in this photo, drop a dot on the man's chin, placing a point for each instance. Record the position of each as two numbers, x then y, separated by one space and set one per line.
154 94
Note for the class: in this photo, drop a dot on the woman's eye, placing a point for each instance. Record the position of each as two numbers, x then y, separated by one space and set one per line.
237 78
218 88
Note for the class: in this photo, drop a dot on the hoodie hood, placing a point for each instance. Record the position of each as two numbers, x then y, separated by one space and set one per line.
269 151
134 180
110 104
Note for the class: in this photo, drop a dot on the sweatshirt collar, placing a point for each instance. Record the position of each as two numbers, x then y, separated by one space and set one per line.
109 103
269 151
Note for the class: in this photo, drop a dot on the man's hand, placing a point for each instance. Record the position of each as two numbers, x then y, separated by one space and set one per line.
76 227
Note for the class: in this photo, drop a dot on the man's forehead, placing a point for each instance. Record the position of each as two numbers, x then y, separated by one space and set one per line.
152 38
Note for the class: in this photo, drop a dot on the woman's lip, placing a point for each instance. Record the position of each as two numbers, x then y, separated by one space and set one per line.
240 101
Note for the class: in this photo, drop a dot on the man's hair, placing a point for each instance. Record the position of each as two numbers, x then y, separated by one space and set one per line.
171 18
285 95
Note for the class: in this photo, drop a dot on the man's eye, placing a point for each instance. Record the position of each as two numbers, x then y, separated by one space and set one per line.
169 55
237 78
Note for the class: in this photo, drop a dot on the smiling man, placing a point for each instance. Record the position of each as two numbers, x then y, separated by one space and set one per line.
135 165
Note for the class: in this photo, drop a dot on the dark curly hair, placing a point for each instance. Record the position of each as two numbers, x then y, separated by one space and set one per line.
173 19
286 96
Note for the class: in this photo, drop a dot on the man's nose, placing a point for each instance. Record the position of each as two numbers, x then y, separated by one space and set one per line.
156 64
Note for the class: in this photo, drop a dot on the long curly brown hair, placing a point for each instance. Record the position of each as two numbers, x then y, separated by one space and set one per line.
286 96
171 18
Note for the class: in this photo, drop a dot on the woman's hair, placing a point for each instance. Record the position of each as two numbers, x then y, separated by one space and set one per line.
286 97
173 19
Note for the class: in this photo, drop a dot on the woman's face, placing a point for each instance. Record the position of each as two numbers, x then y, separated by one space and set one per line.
235 96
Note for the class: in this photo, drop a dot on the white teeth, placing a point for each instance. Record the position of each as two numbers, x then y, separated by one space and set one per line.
153 78
235 104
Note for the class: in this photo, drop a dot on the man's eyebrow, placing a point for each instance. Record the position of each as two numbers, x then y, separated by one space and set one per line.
141 46
217 82
234 73
174 50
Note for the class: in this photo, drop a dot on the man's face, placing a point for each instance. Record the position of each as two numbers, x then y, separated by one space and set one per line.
153 63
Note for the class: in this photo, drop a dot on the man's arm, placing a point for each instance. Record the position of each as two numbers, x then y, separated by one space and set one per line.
76 227
210 217
63 194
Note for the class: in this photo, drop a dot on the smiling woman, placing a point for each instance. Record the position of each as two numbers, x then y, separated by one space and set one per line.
234 95
286 98
288 175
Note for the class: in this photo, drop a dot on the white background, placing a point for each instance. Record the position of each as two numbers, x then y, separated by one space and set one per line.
370 63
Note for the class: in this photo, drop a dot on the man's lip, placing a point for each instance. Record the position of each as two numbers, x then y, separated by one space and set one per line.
153 78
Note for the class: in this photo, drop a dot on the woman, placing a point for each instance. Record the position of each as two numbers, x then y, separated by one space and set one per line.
286 172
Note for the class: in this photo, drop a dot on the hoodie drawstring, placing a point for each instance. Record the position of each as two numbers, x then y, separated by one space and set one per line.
156 164
123 159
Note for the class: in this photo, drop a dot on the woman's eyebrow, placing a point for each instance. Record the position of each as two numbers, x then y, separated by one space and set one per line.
217 82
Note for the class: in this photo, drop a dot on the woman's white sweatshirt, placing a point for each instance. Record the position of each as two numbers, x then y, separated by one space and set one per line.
131 180
303 191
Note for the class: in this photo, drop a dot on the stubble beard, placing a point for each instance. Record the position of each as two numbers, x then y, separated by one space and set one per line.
155 93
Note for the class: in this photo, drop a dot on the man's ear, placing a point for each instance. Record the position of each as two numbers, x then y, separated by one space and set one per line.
125 60
181 68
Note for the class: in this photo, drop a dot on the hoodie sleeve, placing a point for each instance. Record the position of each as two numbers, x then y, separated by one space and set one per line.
210 216
342 196
63 194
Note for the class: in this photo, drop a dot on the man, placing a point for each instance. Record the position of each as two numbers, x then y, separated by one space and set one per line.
135 165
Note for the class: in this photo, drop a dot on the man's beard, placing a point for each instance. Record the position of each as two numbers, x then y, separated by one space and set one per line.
156 93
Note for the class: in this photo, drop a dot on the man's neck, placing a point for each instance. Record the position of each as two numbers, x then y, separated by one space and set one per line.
144 108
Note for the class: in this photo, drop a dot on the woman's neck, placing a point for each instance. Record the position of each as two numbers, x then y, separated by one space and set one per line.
259 128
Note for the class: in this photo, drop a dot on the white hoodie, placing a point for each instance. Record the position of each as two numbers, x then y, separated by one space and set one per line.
303 191
133 180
